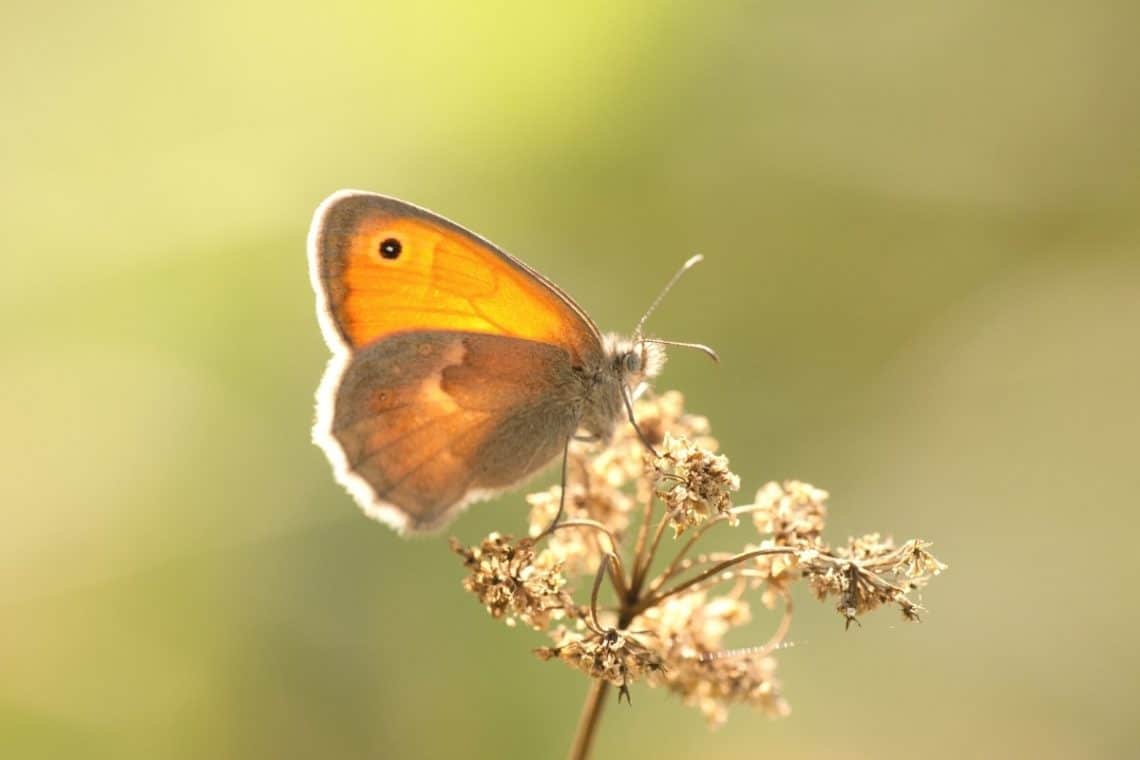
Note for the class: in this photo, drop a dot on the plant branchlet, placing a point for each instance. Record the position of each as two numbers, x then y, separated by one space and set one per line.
672 603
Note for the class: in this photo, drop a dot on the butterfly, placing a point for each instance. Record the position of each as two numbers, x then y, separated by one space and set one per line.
457 370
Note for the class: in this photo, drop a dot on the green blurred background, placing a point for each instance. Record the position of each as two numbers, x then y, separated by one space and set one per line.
923 276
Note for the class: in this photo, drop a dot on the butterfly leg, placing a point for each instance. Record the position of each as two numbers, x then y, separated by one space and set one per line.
633 421
561 493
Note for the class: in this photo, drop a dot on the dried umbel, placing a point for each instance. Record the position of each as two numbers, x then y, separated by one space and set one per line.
870 572
624 603
618 657
693 482
513 583
793 513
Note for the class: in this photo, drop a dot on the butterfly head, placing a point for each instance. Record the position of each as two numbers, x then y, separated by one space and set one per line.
635 361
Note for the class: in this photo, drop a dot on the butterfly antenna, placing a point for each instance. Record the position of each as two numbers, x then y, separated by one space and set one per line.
698 346
637 337
637 333
684 268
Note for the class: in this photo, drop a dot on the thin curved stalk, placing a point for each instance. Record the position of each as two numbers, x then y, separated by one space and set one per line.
652 601
639 546
617 575
674 566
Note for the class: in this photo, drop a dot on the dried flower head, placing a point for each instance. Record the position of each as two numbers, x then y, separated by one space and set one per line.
611 655
789 514
693 482
870 572
792 512
666 622
512 582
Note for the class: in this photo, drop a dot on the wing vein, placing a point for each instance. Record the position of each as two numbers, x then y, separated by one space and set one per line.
429 459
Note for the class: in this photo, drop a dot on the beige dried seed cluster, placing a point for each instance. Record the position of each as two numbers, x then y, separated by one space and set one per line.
694 483
871 572
611 655
514 583
667 627
793 513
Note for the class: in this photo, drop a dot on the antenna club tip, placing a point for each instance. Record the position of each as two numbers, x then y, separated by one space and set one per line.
692 260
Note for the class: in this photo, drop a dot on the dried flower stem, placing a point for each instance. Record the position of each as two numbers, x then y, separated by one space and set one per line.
583 523
594 593
617 575
639 547
653 601
698 533
674 566
665 518
588 722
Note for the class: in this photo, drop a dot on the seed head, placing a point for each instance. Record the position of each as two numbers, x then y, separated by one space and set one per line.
611 655
514 583
693 482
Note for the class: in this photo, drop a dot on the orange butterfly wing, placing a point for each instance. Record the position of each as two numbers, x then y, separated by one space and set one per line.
453 374
384 267
421 424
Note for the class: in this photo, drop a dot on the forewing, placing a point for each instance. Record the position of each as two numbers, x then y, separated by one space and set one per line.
381 266
420 424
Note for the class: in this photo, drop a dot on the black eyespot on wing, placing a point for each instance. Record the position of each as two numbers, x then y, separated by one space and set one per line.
391 248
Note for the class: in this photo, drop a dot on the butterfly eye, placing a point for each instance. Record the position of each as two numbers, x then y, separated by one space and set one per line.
391 248
632 362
